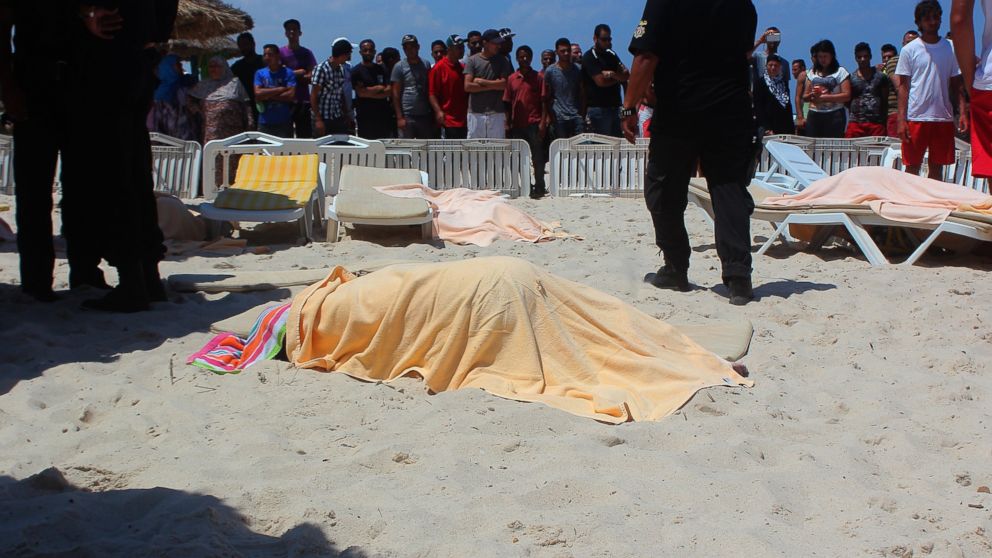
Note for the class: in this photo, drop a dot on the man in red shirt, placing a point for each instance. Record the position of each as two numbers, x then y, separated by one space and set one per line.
447 91
523 97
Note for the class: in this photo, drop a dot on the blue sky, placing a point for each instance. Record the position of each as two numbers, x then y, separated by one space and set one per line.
539 23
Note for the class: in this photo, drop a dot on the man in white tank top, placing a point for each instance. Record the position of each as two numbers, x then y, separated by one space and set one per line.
977 75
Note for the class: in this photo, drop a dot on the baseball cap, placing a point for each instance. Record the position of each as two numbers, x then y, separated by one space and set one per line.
342 45
506 33
492 36
407 39
455 40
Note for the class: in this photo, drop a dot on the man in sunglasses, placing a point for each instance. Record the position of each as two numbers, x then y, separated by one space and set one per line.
602 74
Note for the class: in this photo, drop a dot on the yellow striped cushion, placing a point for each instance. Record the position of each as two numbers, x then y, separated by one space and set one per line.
270 182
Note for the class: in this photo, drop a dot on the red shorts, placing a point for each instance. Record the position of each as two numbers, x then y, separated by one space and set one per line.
892 125
936 137
864 130
981 133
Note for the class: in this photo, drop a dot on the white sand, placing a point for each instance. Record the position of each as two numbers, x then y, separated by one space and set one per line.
868 432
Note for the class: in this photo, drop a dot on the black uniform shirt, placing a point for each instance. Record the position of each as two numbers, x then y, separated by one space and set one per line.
594 63
702 48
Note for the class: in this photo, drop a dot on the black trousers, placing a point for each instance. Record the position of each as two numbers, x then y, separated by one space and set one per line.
831 124
532 135
303 120
456 133
39 140
117 163
727 157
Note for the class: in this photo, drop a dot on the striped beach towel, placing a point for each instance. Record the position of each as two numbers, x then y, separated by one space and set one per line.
229 354
271 182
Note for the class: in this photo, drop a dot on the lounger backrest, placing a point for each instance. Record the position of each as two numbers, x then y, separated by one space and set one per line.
794 161
371 177
271 182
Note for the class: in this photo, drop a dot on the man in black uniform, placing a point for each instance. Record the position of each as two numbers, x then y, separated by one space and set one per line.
38 99
121 34
701 115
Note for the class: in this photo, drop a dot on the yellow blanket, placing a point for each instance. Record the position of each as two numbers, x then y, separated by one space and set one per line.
505 326
271 182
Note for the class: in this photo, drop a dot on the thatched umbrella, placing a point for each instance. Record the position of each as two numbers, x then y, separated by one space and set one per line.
218 46
206 19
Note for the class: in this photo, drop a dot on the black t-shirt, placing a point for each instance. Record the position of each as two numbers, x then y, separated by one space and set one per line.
245 70
370 76
594 63
698 76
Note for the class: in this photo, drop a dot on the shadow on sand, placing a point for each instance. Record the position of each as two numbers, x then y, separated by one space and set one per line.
41 336
45 515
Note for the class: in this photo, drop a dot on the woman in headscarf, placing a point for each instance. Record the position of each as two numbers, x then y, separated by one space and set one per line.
169 114
772 100
224 104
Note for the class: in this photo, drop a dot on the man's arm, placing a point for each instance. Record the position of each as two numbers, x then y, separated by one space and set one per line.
641 75
398 103
903 107
473 85
957 84
800 93
963 31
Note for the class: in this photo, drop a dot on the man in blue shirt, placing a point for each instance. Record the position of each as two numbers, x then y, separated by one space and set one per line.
275 90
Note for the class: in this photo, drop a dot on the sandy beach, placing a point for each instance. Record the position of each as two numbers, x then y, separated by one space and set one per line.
868 431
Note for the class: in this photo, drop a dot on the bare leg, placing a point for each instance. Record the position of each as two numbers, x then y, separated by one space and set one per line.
935 172
913 170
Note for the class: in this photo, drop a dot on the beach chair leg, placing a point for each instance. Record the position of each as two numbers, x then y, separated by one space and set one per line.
332 230
427 230
864 242
771 240
922 248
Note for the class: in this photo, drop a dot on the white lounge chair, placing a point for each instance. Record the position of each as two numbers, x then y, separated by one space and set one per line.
853 218
358 202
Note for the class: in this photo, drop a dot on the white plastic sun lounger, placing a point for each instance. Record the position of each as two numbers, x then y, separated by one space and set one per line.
853 218
358 202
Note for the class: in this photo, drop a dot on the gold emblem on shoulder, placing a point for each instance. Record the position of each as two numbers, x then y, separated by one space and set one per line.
641 29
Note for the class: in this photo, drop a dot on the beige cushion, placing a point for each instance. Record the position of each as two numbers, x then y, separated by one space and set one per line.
367 203
358 199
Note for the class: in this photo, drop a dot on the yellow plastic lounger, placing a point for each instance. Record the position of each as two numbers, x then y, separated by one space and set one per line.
358 202
273 189
854 218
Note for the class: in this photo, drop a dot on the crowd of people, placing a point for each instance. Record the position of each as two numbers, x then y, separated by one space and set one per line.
915 94
472 87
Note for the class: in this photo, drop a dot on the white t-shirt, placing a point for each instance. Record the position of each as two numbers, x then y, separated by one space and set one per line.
930 68
829 82
983 75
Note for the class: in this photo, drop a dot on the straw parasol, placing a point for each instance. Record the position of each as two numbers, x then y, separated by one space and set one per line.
199 20
218 46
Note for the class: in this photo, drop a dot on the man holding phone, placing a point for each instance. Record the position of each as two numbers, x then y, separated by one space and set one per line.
772 39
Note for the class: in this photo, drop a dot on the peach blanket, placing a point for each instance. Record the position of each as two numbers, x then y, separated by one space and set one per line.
478 217
892 194
505 326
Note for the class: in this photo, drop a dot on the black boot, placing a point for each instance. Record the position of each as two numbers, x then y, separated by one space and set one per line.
669 278
43 294
740 290
129 296
92 278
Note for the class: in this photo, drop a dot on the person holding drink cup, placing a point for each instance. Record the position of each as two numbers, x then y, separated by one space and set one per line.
827 89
